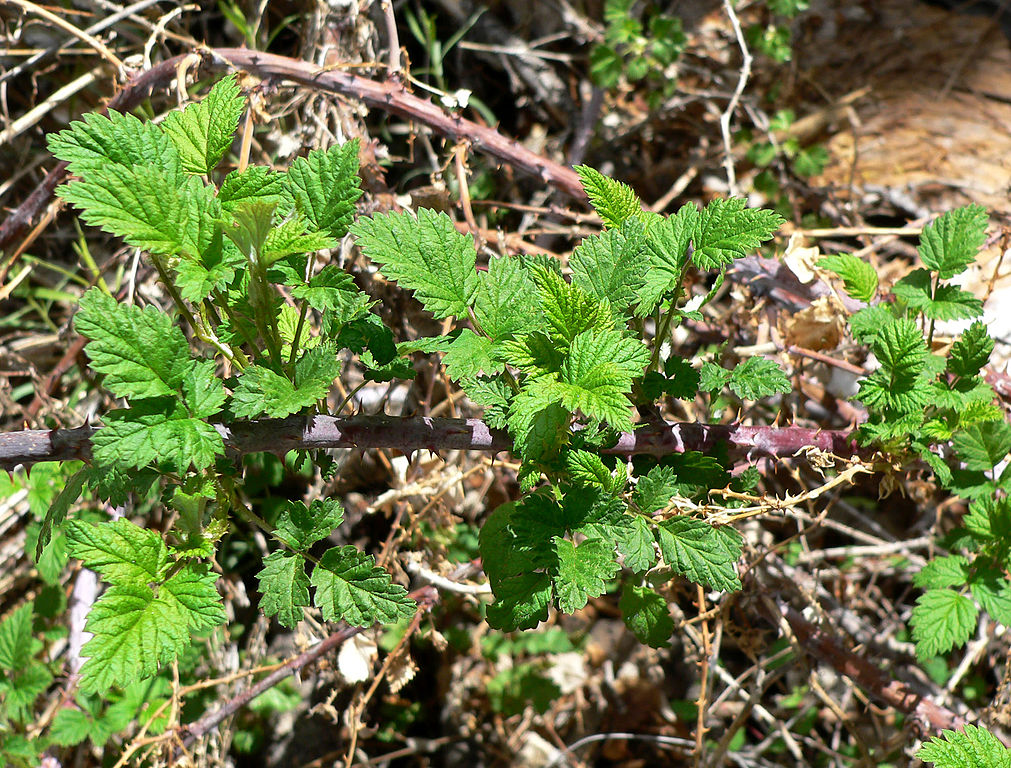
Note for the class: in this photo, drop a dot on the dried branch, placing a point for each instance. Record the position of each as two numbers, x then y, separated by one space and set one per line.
411 434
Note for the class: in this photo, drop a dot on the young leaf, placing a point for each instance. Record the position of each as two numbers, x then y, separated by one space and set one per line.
945 302
950 243
726 230
942 620
971 351
425 254
121 552
859 278
568 309
351 587
971 747
993 591
300 526
582 571
699 552
758 377
141 352
646 613
614 202
260 390
667 246
900 348
284 587
203 132
257 183
983 446
470 355
323 186
951 571
611 265
506 302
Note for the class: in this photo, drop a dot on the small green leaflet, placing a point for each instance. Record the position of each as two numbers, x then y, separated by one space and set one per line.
983 446
726 230
636 545
470 355
425 254
255 183
323 186
351 587
521 602
647 614
951 571
284 587
97 141
700 552
941 302
507 301
261 390
667 248
900 348
203 132
300 526
942 620
583 571
972 747
859 278
611 265
758 377
119 551
614 202
950 243
971 351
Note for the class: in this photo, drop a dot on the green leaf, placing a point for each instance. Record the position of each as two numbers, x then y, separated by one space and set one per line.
726 230
950 243
521 602
300 526
942 620
57 511
900 348
971 351
758 377
860 280
156 429
613 201
506 302
582 571
712 377
699 552
946 302
351 587
611 265
655 489
993 591
141 352
470 355
290 237
501 557
538 424
425 254
568 309
284 587
951 571
667 247
257 183
588 469
334 290
20 689
647 615
323 186
972 747
260 390
983 446
121 552
97 141
193 588
865 324
134 631
636 545
17 646
493 395
204 132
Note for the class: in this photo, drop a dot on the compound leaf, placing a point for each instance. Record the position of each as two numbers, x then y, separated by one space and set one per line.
971 747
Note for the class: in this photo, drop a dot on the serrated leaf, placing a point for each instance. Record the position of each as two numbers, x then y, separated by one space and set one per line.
613 201
983 446
141 352
425 254
647 615
58 509
860 280
538 424
712 377
284 587
500 555
587 468
697 551
506 302
667 244
951 571
203 132
300 526
492 394
17 647
134 631
943 302
758 377
257 183
290 237
865 324
350 587
611 265
902 351
568 309
942 620
156 429
725 230
261 390
950 243
636 545
323 186
470 355
993 591
582 571
972 747
192 586
655 489
521 602
121 552
97 141
334 290
971 351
